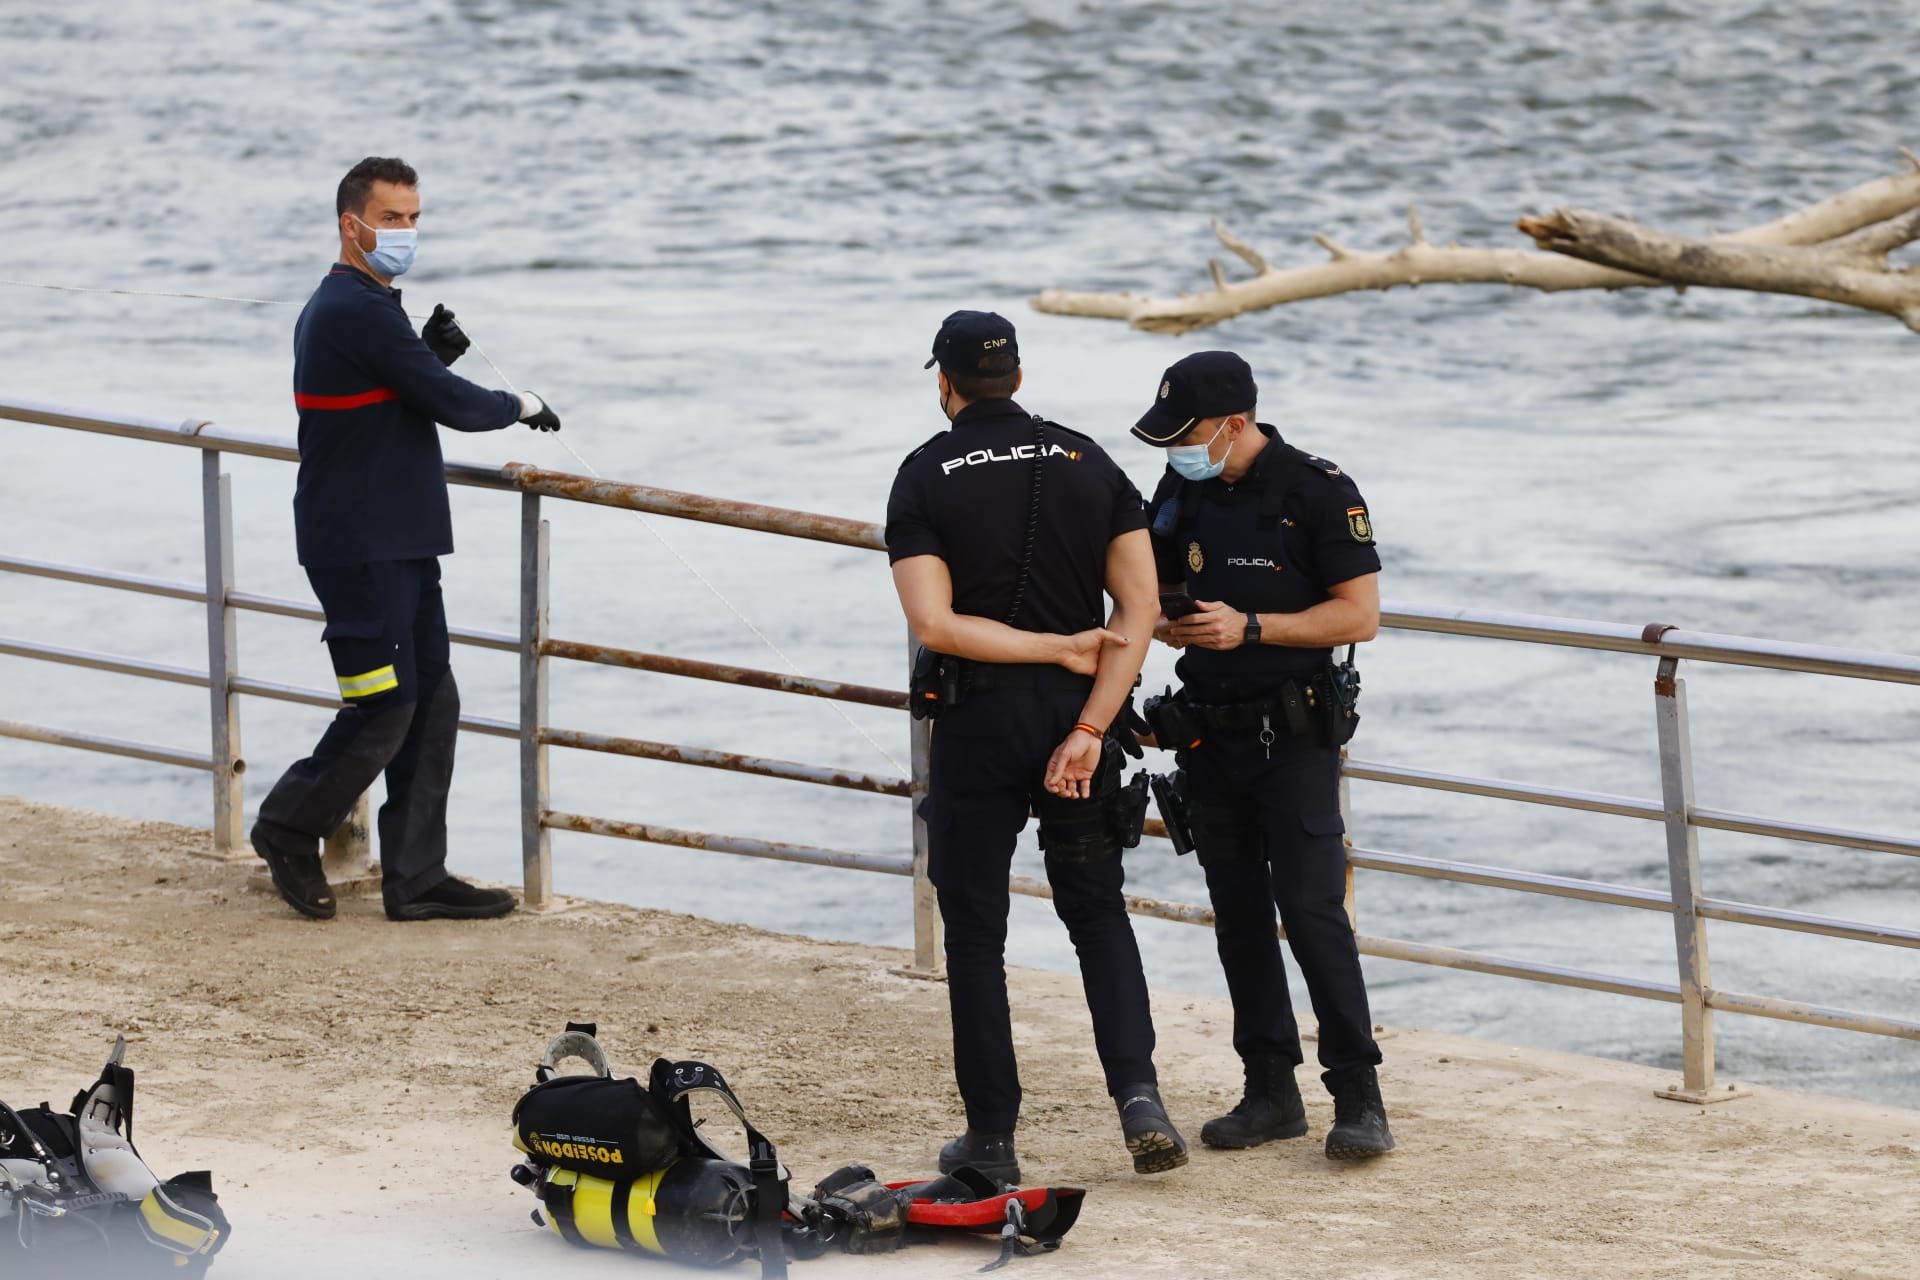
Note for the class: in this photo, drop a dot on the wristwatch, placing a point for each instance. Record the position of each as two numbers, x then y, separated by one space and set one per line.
1252 635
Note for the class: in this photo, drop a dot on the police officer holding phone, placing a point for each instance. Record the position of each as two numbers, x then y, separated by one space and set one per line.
1006 533
1266 563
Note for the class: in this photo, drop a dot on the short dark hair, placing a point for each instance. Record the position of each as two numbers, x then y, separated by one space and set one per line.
995 381
357 187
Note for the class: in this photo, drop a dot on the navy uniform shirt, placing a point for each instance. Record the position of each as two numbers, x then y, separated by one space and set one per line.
966 494
372 482
1226 542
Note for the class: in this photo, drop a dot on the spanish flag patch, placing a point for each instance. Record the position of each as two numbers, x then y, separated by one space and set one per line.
1358 524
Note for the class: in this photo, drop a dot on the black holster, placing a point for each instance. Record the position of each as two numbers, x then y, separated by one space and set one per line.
1170 797
939 682
1110 819
1175 726
1339 689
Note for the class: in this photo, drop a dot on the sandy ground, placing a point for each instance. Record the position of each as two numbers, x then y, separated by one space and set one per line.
349 1083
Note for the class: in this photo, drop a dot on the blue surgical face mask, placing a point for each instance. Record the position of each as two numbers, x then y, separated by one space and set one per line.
393 249
1195 461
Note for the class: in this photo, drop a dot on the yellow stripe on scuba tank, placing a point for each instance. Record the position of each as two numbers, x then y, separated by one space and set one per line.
593 1212
368 683
188 1236
641 1210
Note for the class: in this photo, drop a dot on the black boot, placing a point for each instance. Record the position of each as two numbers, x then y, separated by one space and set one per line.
1156 1145
453 899
990 1153
1270 1109
295 870
1359 1117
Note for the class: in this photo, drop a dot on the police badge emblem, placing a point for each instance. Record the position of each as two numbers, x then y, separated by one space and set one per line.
1358 524
1195 560
1165 387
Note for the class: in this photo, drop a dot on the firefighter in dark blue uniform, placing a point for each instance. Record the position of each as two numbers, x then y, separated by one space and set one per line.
1272 550
370 520
1006 533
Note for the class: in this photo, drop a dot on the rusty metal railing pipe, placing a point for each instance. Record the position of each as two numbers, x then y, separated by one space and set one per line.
694 668
695 506
745 846
709 758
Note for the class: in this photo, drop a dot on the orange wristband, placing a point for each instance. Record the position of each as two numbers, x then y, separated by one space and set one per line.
1084 727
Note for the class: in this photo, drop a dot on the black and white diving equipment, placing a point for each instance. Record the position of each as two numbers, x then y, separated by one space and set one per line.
75 1193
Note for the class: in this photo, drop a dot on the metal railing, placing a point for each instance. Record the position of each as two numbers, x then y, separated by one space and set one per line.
538 649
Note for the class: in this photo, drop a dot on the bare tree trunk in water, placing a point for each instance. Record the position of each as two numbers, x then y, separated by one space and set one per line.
1873 207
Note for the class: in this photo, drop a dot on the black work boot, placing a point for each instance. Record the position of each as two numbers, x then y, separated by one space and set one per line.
1271 1108
990 1153
1359 1117
295 870
1156 1145
453 899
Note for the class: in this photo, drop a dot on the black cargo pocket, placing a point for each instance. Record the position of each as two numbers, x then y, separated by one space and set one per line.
359 629
363 655
1323 824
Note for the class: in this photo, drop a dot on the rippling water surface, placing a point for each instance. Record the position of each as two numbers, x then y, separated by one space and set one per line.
718 236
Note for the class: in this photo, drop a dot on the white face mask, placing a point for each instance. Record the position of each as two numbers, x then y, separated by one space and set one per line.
393 248
1195 461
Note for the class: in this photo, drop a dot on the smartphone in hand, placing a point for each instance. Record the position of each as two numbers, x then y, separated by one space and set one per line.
1177 604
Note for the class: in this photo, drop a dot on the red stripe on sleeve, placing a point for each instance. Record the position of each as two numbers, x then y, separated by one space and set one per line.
379 395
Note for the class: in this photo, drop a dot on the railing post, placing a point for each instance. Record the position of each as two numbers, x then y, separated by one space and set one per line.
1346 825
229 795
346 857
536 843
927 958
1683 877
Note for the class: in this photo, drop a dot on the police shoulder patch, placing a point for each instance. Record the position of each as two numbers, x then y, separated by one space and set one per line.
1359 525
922 449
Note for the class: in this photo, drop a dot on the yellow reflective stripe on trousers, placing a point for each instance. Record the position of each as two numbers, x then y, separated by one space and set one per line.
368 683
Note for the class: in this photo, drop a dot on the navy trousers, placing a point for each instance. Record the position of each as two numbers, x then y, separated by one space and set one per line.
1268 830
989 756
400 713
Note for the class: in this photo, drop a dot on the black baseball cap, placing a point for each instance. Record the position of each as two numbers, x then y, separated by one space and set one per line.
967 338
1207 384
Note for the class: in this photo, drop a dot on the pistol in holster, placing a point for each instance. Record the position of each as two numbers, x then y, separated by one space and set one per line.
939 682
1170 797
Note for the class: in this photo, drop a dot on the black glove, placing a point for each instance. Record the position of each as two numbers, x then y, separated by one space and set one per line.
442 335
542 419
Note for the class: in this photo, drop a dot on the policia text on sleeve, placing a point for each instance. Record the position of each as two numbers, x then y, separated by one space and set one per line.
1006 533
1275 546
371 519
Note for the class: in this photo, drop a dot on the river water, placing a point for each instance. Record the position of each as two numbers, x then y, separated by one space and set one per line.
718 236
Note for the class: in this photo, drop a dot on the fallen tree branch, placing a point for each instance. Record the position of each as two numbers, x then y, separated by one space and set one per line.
1852 269
1419 262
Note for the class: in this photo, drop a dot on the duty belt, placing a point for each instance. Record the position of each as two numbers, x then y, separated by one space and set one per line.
1291 708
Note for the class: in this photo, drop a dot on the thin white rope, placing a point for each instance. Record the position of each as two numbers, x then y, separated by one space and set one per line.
647 524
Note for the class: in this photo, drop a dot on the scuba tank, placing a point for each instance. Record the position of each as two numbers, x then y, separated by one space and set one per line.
619 1166
75 1192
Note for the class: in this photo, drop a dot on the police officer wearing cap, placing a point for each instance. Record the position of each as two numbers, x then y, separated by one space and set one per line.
1271 549
371 519
1006 533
